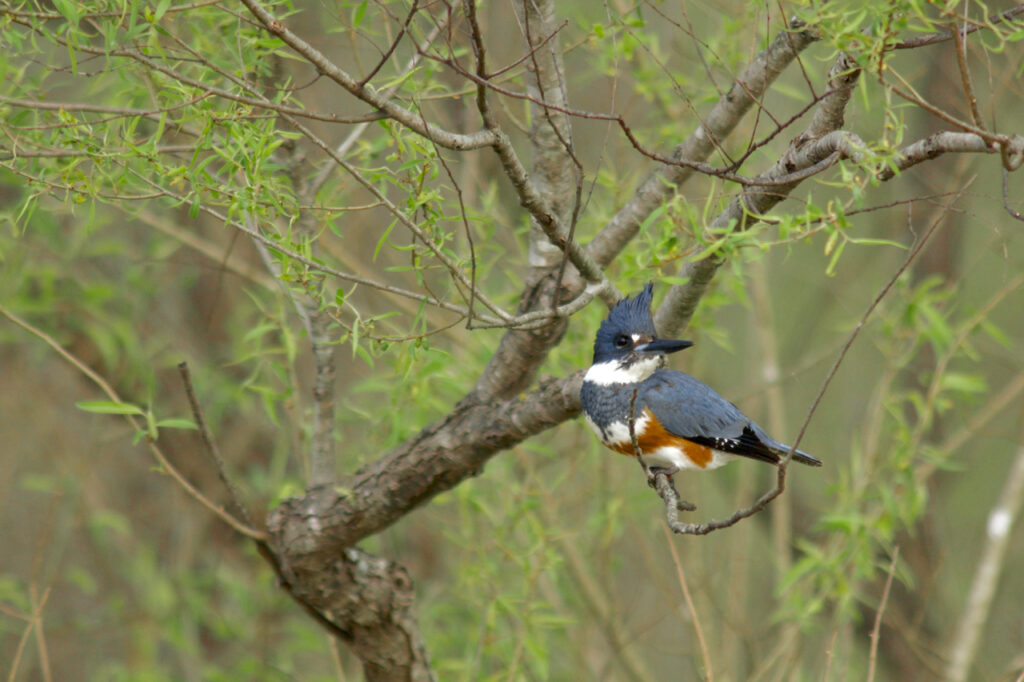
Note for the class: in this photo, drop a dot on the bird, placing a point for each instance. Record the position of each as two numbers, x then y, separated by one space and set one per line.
679 422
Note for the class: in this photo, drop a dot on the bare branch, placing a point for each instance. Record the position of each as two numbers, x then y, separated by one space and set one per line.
1011 147
211 445
947 142
965 75
877 629
627 130
409 119
394 44
748 89
515 361
698 630
316 183
323 522
1006 197
813 149
667 491
811 156
931 39
157 453
323 465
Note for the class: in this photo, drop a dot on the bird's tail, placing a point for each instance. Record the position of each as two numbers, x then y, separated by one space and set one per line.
801 456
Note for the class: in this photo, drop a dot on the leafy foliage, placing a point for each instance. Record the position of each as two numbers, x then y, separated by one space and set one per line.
176 183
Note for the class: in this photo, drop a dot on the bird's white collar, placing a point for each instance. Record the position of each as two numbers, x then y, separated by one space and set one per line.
614 372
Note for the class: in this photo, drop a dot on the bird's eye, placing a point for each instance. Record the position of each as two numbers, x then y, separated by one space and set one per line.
621 341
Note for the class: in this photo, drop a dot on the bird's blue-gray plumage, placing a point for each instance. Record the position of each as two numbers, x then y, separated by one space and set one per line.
689 408
626 382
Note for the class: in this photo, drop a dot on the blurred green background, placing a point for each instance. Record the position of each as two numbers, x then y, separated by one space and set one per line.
554 563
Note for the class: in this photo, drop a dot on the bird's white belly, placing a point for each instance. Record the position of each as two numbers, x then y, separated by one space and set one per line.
616 434
671 457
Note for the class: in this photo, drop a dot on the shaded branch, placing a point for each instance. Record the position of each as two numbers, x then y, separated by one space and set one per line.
409 119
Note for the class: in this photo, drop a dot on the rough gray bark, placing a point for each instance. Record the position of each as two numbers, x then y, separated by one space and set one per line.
320 524
370 599
546 194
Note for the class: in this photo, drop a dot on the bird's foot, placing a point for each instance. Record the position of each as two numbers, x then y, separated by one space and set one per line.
652 474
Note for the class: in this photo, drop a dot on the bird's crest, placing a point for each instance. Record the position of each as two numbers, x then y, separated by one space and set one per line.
631 315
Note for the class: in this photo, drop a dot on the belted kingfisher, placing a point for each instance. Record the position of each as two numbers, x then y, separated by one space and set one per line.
679 422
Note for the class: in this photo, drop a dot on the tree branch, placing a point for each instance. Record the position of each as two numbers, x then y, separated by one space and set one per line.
318 526
547 198
157 453
933 38
814 146
748 90
409 119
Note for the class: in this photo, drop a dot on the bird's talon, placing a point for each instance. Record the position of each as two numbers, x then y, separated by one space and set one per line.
652 475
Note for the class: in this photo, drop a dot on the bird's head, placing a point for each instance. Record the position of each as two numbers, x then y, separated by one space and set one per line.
627 337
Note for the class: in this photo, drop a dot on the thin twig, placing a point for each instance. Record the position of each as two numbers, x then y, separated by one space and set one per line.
708 674
627 130
829 656
876 631
321 177
864 318
37 610
394 44
933 38
154 449
1006 197
407 118
210 443
965 73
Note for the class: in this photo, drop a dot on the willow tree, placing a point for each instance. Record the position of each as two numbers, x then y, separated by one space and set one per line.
441 200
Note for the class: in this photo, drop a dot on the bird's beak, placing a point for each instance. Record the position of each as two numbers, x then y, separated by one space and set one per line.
663 346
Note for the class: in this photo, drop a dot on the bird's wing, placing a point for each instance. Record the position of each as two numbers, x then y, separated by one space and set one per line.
692 410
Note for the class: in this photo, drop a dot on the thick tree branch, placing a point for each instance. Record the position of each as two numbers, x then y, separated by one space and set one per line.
748 90
551 196
318 526
370 599
323 465
553 173
815 146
